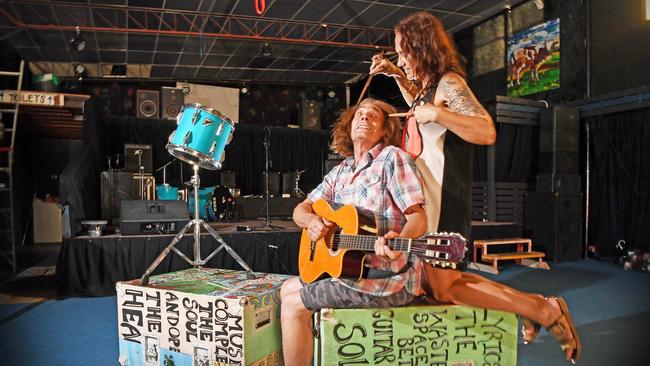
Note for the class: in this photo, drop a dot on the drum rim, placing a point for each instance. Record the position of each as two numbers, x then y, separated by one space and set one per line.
205 161
214 111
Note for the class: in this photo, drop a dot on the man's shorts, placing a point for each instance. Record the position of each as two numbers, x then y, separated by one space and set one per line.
329 293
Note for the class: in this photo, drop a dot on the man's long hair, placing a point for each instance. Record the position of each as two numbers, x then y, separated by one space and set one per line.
429 47
341 139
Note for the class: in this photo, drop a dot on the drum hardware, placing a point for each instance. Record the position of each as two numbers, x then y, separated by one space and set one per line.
296 189
94 228
198 158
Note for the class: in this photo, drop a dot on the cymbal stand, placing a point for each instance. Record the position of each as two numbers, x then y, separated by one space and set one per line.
296 189
197 222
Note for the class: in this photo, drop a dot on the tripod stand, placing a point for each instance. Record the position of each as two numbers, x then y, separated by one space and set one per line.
267 163
197 222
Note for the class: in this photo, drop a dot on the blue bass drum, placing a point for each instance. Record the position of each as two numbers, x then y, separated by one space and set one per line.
206 211
166 192
201 136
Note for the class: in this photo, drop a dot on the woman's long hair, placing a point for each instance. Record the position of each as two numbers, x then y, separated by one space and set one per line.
429 47
341 139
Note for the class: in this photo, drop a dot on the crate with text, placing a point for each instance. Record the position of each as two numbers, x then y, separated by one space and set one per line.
200 316
416 335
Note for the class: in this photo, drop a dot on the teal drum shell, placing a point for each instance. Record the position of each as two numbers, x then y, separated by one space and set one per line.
166 192
201 136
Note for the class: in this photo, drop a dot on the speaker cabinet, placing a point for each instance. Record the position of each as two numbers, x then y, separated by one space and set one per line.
152 217
118 186
172 100
310 114
147 103
274 184
288 184
554 222
136 155
559 146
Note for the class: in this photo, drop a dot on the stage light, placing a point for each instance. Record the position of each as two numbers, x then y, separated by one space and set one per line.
77 42
331 94
266 50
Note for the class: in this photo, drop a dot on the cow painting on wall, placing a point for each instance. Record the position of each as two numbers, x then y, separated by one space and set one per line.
534 59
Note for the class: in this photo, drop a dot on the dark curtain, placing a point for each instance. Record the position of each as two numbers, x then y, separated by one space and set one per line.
516 155
619 182
289 150
78 182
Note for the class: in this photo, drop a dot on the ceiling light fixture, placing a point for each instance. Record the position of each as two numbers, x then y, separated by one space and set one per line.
77 41
266 50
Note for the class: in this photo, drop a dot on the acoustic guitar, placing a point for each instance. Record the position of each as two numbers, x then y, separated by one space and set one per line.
341 252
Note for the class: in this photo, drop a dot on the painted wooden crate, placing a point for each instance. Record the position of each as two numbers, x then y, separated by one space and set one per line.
416 335
200 317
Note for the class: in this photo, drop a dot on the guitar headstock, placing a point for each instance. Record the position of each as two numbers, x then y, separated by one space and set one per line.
443 249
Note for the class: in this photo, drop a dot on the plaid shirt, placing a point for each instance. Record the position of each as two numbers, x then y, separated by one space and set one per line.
384 182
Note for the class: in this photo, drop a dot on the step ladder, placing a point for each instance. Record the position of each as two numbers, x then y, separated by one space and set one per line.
8 242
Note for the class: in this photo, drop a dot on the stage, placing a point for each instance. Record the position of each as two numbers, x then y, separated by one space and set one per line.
91 266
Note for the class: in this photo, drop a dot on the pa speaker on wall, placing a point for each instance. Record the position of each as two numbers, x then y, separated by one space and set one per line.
554 222
147 103
559 145
310 114
172 101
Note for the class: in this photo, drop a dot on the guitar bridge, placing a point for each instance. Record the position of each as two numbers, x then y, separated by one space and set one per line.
312 250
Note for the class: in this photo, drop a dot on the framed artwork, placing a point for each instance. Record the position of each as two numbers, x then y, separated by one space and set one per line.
534 59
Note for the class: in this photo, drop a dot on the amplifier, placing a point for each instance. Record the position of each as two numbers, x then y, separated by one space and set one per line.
152 217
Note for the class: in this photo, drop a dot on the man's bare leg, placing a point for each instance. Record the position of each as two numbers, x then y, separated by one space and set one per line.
297 336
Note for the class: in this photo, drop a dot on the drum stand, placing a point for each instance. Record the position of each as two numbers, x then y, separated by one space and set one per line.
197 222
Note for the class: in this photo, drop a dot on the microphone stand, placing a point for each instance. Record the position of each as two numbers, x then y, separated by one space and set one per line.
267 163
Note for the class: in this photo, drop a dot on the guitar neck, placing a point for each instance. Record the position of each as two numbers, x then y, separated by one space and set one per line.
366 243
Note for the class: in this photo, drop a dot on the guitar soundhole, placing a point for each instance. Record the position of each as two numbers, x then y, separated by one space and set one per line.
334 240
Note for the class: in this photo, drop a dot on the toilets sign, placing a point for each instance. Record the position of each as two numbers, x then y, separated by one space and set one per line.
32 98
